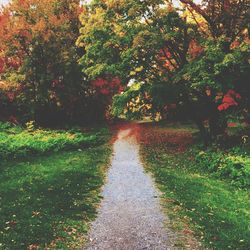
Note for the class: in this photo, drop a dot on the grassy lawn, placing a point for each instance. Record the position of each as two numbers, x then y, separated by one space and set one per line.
48 201
197 202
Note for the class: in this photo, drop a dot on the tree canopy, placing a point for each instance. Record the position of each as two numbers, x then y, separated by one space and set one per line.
191 57
73 58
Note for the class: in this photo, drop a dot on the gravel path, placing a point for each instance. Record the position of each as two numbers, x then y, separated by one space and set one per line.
129 217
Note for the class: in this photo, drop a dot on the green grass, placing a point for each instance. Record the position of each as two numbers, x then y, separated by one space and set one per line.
218 213
20 142
48 201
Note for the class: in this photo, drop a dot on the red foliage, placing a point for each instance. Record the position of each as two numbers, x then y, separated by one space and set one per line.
99 82
232 124
1 65
229 100
165 53
81 9
107 87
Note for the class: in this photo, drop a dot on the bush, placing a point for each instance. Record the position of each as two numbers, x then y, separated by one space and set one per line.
16 141
233 165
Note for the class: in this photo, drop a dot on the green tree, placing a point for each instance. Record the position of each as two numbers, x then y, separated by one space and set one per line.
146 41
172 59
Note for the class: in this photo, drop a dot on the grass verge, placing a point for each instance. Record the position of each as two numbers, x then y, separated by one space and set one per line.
48 201
21 142
217 212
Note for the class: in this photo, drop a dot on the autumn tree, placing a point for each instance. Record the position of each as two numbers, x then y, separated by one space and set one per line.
194 57
38 52
189 58
221 66
137 41
228 18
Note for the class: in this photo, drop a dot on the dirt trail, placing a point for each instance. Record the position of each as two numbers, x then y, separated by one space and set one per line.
129 216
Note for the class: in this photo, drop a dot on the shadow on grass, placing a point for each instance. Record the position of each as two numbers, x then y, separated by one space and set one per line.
219 213
50 198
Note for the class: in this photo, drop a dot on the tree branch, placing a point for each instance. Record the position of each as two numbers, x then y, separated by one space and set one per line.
200 11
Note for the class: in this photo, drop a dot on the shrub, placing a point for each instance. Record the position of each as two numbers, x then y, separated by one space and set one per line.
16 141
233 165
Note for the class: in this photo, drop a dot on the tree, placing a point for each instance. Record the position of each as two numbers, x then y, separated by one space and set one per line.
221 66
133 39
212 80
178 58
38 48
228 18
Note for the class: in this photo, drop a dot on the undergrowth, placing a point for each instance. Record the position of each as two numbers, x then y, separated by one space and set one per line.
20 142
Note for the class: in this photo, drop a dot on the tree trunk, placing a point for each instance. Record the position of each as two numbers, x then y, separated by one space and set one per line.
205 135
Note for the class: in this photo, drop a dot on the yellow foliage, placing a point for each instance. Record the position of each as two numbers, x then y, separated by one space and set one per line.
139 69
8 86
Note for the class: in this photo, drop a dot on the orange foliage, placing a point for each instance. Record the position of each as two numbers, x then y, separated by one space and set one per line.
22 21
234 44
195 49
166 57
229 100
